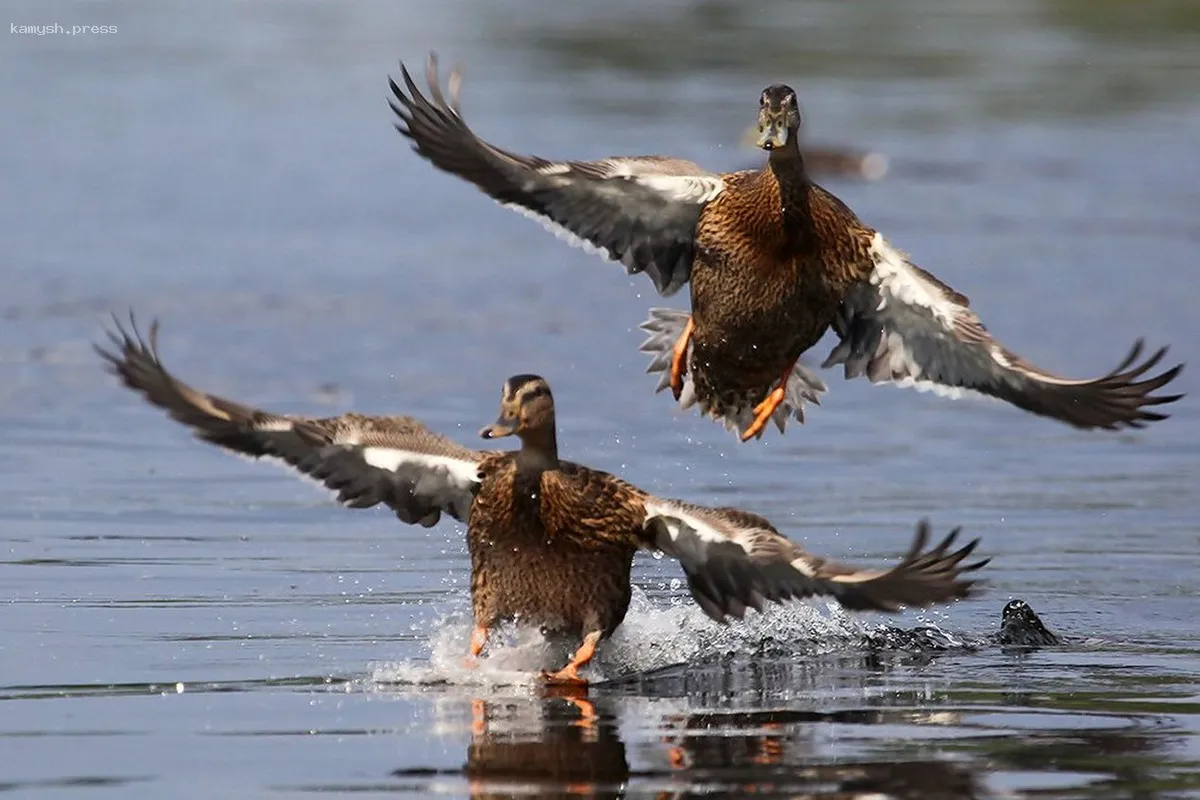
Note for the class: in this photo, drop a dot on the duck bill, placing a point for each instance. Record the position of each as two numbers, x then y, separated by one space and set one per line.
498 429
772 132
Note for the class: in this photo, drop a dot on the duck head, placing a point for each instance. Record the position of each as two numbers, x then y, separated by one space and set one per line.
526 411
778 117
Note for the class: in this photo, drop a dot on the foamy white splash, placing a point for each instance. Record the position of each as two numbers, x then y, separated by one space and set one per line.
652 636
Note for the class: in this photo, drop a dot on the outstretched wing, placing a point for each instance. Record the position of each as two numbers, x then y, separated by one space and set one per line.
641 211
903 325
734 559
396 461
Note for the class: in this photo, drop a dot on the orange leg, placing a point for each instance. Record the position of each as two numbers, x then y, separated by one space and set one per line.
570 673
764 410
679 358
478 641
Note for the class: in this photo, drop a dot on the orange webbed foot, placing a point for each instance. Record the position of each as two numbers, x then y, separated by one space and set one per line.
764 410
679 358
762 414
567 676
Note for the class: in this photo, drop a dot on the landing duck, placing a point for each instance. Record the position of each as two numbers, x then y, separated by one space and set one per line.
551 542
773 261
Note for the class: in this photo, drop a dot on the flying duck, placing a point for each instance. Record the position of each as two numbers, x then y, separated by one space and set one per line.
773 261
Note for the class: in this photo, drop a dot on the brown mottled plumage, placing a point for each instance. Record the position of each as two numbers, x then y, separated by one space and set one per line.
551 542
774 261
731 362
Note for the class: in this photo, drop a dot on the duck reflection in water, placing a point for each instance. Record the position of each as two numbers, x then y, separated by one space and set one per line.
765 752
569 744
570 747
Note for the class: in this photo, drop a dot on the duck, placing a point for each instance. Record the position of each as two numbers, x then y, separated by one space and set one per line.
773 262
551 542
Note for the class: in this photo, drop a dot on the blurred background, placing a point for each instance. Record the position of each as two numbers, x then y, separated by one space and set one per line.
231 168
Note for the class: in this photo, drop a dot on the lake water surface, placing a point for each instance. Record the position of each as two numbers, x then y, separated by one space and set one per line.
178 623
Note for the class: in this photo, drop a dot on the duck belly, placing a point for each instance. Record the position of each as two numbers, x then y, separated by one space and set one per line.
746 337
551 585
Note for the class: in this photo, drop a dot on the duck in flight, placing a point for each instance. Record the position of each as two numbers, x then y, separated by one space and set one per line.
773 261
551 542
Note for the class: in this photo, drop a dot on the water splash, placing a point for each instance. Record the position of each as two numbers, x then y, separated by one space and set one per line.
652 637
514 657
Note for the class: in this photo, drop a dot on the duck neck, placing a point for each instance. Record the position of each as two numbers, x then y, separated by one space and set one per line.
539 449
787 164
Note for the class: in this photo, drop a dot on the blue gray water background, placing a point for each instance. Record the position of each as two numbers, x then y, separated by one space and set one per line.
175 622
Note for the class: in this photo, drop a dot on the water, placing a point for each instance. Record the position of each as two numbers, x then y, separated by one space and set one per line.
180 623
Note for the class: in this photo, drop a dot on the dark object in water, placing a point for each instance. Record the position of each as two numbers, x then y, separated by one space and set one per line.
1020 626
